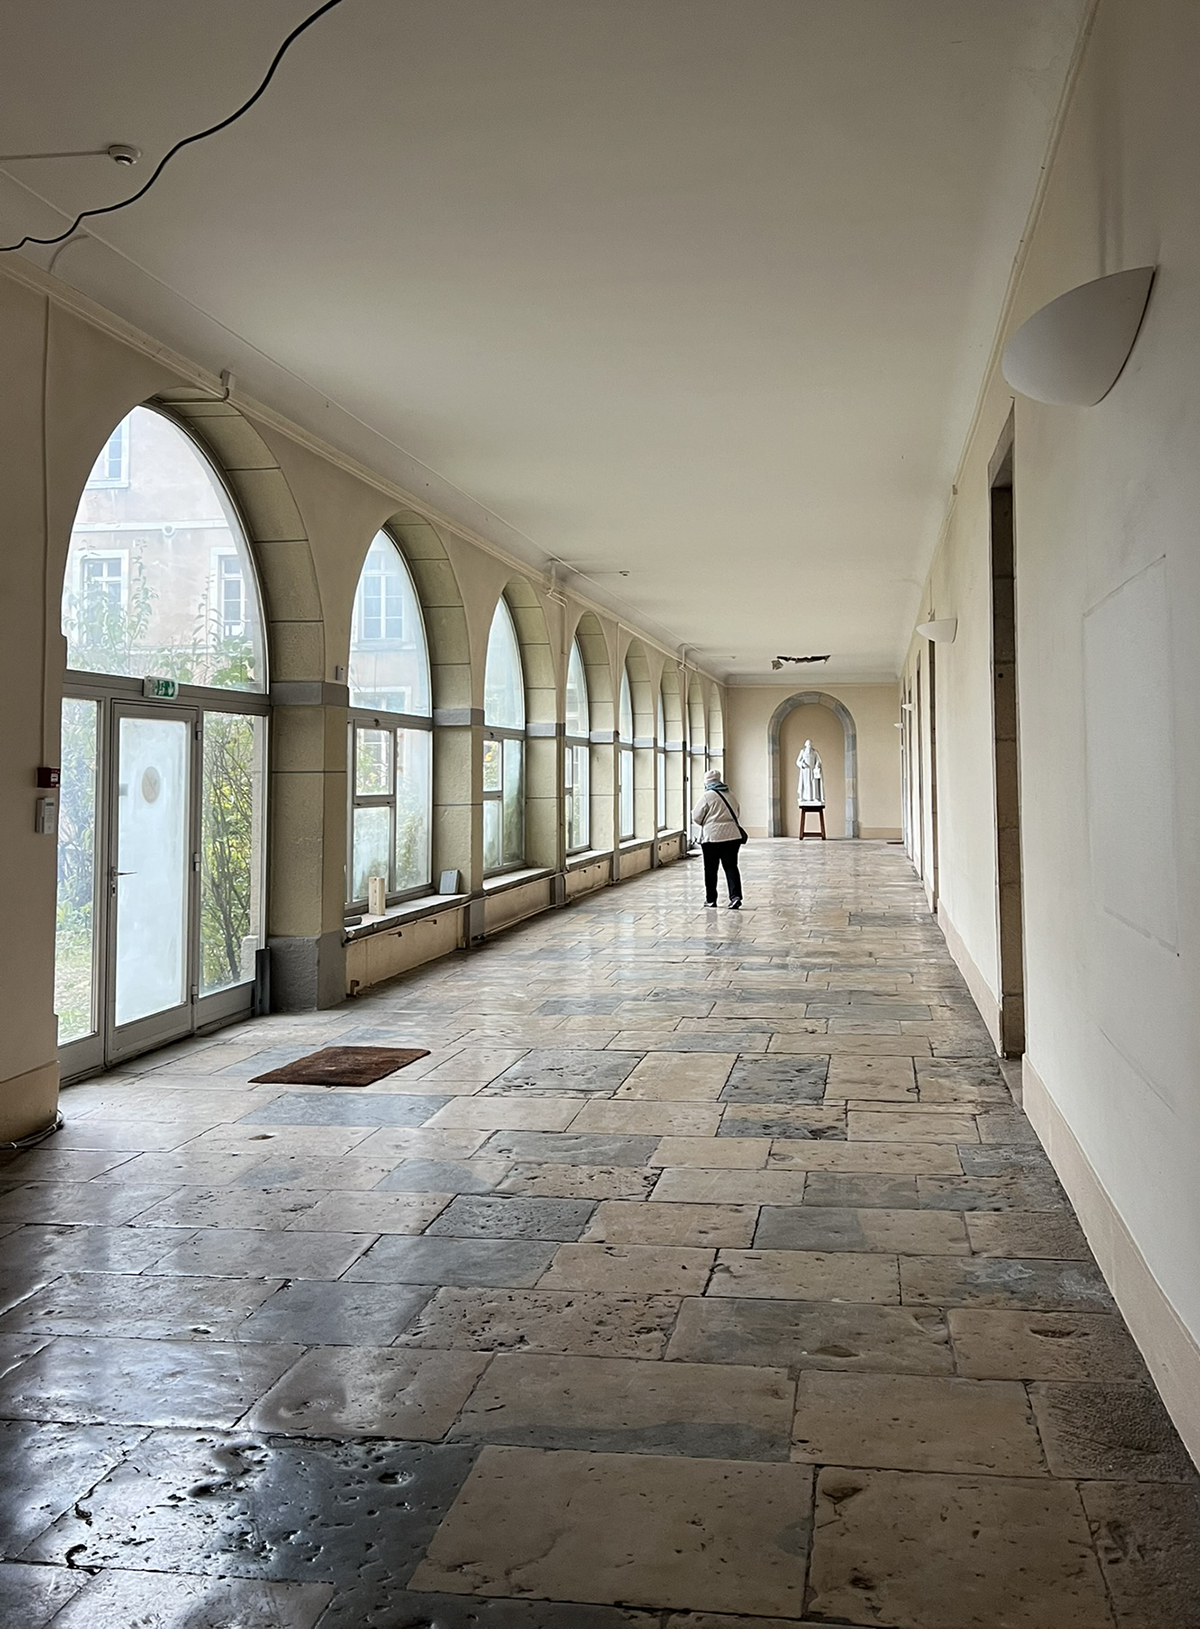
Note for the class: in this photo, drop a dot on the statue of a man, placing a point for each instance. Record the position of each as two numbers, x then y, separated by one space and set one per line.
810 789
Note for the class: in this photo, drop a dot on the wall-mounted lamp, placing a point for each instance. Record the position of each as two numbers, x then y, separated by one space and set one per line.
941 632
1071 352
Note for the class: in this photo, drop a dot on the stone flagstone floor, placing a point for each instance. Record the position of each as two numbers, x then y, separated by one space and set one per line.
704 1276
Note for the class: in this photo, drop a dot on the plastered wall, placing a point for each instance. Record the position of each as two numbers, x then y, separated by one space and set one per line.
68 374
874 709
1108 669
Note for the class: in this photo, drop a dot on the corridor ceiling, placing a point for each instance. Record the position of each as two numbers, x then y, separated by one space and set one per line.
700 291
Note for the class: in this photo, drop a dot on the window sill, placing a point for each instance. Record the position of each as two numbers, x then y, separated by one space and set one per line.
411 910
503 880
631 844
587 856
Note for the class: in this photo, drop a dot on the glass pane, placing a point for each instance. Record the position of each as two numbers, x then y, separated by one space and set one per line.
503 681
493 849
231 792
577 797
74 947
625 723
153 865
413 761
491 766
514 802
577 696
661 721
371 847
373 763
389 662
159 578
625 769
661 758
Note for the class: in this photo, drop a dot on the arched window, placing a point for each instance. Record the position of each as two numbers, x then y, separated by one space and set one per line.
161 853
391 731
159 578
578 732
503 746
660 763
625 759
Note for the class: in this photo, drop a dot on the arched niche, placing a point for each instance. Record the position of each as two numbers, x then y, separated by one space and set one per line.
810 698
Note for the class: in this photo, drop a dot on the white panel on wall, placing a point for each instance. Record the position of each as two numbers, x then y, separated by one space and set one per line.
1131 756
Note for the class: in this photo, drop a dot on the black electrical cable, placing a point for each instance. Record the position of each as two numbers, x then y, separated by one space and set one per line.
201 135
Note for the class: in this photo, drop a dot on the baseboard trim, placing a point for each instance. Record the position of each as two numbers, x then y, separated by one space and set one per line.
981 991
1171 1352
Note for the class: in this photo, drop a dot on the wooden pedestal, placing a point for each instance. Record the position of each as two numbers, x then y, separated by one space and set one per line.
812 808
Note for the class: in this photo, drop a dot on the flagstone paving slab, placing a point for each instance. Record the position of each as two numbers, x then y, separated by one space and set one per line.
670 1186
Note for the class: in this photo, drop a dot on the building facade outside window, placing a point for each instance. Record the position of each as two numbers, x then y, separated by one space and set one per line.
112 466
391 732
625 802
503 747
577 754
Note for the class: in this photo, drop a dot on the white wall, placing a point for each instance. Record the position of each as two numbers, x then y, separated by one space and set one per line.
1108 641
875 709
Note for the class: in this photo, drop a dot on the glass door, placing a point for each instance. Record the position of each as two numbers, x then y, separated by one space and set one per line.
153 863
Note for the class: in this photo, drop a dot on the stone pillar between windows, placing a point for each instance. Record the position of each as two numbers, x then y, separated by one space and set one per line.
307 847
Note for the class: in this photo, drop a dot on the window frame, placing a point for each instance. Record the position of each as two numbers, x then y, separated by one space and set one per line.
577 749
626 762
391 722
502 733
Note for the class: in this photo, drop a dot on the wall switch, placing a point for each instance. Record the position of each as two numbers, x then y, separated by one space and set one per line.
46 818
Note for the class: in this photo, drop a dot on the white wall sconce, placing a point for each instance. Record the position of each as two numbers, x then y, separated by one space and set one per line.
941 632
1071 352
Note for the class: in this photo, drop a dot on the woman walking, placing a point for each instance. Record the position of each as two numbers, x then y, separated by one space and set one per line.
721 836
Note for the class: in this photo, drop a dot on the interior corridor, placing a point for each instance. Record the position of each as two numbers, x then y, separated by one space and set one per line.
704 1274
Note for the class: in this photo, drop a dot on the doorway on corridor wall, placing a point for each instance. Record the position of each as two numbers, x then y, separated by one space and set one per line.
1006 749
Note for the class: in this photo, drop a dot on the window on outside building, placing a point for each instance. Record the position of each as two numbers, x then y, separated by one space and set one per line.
576 763
140 596
112 466
391 731
503 746
625 759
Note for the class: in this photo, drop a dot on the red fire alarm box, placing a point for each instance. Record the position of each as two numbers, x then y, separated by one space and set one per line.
47 776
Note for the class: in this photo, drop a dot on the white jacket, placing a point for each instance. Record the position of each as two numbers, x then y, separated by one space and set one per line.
713 818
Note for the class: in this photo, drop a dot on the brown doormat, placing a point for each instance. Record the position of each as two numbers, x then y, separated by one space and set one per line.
343 1066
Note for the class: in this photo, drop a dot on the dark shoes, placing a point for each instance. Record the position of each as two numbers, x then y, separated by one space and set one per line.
735 904
710 904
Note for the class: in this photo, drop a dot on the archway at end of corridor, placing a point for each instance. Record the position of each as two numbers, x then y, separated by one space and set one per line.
835 738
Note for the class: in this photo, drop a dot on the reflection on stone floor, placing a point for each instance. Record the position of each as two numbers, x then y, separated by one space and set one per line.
704 1276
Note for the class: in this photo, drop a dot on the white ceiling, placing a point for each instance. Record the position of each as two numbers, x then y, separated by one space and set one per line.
697 290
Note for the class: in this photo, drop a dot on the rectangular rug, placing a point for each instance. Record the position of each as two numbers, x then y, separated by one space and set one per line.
343 1066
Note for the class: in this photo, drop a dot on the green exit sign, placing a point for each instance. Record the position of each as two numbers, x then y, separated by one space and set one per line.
160 689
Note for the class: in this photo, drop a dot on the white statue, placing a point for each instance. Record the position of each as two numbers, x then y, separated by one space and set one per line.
810 790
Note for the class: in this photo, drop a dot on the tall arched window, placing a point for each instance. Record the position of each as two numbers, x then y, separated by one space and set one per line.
160 857
391 731
578 733
503 746
625 759
660 763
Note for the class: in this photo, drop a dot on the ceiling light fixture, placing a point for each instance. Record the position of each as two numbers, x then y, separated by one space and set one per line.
778 661
1072 351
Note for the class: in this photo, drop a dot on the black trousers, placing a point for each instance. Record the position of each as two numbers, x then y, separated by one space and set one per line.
725 854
